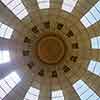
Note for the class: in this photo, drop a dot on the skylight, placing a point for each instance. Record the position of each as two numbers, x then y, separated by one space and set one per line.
68 5
84 91
92 16
5 31
8 83
43 4
32 94
17 7
57 95
94 67
95 42
4 56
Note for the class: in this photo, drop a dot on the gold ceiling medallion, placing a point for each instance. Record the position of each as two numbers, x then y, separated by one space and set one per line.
51 49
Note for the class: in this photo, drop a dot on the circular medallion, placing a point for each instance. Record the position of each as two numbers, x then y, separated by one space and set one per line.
50 49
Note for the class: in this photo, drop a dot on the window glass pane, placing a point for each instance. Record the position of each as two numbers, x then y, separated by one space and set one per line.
43 4
31 97
98 41
68 5
5 86
85 94
85 22
96 67
10 82
32 94
22 14
95 13
66 8
18 9
90 17
34 91
16 6
92 65
4 56
1 57
57 95
98 5
82 89
4 29
94 97
78 84
8 33
2 94
92 12
15 77
94 43
6 1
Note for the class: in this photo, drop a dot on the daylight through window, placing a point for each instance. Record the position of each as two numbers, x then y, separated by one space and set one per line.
68 5
32 94
4 56
5 31
17 7
43 4
57 95
84 91
8 83
94 67
92 16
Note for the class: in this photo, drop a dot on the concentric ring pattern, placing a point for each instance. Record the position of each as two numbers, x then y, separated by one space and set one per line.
49 49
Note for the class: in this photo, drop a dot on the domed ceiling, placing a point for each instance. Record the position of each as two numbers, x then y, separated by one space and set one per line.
52 45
